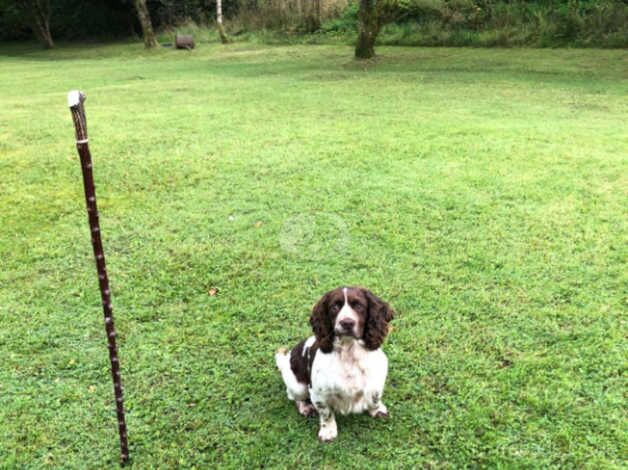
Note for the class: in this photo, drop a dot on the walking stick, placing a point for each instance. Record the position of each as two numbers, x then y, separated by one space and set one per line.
75 102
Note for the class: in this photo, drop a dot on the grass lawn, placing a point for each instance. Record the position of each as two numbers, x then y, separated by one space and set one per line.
481 192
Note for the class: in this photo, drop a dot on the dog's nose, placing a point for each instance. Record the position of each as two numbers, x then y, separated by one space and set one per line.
347 324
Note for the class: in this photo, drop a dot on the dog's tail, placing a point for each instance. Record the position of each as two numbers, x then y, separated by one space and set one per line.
294 389
282 359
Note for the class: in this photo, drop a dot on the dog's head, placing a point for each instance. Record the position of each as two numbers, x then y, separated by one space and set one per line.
353 312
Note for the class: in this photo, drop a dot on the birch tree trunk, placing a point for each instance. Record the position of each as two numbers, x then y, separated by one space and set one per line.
221 28
147 27
368 28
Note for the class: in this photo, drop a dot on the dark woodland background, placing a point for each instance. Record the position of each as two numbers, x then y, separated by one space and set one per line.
550 23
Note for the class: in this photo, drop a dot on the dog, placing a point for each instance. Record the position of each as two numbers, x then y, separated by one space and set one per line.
342 368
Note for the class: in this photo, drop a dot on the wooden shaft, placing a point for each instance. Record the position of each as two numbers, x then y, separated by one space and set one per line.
75 101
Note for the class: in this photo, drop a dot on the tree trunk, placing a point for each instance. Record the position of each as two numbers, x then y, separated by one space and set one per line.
318 12
221 28
147 26
38 12
312 16
368 28
42 24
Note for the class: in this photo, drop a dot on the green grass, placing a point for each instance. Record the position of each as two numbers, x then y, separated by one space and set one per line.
481 192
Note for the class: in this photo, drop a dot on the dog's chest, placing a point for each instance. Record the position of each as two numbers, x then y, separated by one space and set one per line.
346 380
351 371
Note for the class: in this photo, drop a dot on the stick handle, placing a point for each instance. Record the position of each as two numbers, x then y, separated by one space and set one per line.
75 102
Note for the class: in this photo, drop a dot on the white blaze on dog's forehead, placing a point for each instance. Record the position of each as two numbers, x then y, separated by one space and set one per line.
346 311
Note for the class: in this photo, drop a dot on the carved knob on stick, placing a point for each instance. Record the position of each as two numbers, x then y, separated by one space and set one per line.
76 99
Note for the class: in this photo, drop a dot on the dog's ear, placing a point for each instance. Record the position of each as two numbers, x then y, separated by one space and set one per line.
321 324
378 317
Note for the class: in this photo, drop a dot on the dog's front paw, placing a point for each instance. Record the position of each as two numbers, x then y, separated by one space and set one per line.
306 409
379 412
328 433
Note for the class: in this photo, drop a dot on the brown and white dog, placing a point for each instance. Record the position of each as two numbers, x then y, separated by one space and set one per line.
341 368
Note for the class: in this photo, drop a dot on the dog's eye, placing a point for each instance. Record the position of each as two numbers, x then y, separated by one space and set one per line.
335 308
357 306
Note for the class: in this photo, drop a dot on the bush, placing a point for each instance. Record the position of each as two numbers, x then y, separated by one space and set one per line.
346 21
501 23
